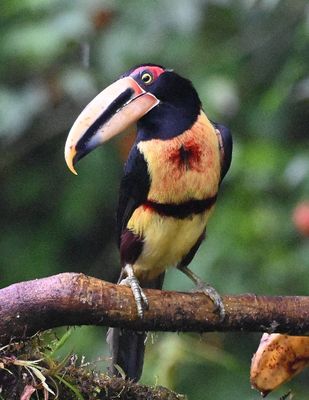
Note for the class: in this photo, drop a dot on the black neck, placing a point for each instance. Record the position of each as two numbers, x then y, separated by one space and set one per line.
177 111
165 123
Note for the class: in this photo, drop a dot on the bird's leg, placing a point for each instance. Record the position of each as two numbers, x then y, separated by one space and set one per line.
137 291
207 289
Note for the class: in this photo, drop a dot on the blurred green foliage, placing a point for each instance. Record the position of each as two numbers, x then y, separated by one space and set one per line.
249 62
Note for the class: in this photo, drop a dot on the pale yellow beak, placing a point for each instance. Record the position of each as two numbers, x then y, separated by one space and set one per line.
112 111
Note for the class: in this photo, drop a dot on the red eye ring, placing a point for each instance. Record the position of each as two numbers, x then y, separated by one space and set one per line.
153 70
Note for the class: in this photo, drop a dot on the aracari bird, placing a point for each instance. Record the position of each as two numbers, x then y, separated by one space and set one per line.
169 188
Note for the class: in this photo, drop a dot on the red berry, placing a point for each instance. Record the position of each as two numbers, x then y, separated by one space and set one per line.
301 218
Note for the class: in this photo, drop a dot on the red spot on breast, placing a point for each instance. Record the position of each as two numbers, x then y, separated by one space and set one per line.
194 153
187 156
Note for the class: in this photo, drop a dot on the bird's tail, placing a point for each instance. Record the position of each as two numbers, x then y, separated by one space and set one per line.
127 350
127 347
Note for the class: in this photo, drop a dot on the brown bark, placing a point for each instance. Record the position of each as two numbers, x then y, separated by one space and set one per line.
76 299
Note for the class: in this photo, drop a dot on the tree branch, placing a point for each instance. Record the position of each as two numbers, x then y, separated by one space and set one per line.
76 299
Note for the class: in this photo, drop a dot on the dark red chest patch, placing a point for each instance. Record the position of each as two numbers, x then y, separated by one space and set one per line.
187 156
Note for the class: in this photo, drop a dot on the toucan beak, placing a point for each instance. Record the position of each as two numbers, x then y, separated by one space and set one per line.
109 113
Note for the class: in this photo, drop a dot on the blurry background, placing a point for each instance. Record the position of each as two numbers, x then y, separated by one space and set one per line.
248 61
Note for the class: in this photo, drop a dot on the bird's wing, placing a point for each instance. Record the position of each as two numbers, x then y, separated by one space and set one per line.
134 189
227 147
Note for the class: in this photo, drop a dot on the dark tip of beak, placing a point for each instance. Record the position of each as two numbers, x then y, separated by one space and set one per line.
82 151
83 147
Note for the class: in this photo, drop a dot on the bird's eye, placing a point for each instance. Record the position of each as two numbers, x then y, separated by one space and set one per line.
147 78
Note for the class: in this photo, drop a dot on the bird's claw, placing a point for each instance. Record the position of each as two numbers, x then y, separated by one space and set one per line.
139 296
214 297
205 288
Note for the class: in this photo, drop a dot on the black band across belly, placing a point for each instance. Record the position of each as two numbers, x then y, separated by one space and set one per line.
182 210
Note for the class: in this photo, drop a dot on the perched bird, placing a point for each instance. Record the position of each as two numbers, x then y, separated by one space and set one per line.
169 188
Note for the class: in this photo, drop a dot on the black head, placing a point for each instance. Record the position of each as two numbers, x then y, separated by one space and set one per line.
179 104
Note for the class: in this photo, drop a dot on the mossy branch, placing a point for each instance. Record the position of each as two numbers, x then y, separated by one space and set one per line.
27 367
77 299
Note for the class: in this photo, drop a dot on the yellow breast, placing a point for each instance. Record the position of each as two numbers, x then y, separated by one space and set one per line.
167 240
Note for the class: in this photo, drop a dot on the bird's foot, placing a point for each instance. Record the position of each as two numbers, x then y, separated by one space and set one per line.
214 297
203 287
139 296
